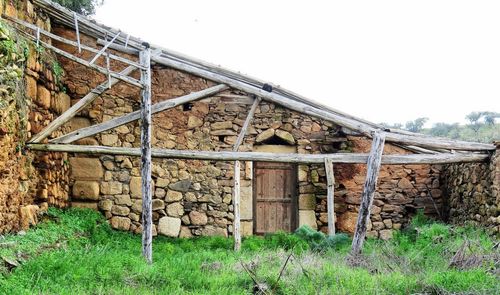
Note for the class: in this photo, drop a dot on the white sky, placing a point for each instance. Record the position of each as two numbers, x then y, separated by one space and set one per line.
385 61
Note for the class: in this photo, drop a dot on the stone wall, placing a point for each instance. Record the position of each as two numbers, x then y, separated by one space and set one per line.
194 198
473 193
31 97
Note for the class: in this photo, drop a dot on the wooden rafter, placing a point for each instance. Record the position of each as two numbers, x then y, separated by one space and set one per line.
133 116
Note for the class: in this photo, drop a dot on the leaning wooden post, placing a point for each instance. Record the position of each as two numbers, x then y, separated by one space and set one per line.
373 168
330 180
147 214
237 181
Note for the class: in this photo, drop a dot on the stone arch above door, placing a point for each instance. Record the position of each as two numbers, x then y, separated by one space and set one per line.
275 137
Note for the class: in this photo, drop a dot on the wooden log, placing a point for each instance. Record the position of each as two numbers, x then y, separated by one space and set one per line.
77 107
236 205
130 117
345 158
103 49
237 180
330 181
147 213
374 162
127 50
100 69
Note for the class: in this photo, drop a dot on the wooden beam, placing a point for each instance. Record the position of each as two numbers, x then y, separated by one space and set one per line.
330 181
100 69
69 42
77 107
237 180
345 158
147 213
374 162
236 205
103 49
130 117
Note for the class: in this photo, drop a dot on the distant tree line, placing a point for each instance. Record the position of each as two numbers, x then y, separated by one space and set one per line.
481 126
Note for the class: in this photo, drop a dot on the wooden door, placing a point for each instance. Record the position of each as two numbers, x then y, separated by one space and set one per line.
275 201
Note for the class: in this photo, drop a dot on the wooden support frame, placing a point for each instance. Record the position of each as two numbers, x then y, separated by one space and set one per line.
130 117
103 49
374 162
147 211
237 180
345 158
330 201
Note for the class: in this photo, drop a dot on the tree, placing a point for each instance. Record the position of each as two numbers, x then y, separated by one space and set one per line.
490 117
416 125
85 7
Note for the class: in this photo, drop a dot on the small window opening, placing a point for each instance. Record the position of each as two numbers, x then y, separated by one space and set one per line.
187 107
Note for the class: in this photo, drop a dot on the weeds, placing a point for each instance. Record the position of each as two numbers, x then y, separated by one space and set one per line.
76 252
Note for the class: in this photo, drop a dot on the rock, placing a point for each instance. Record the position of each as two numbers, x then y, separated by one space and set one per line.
120 210
385 234
120 223
109 139
158 204
169 226
185 232
307 202
135 187
378 225
31 87
28 216
405 184
347 222
308 217
78 123
173 196
86 190
123 200
194 122
181 186
111 188
388 223
175 210
43 97
286 136
211 231
198 218
160 193
86 168
246 228
137 206
265 135
105 205
61 103
221 125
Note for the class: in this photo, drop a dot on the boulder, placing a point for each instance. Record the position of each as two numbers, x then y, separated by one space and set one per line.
86 190
86 168
198 218
169 226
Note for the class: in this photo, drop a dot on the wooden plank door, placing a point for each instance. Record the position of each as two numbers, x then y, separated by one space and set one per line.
275 197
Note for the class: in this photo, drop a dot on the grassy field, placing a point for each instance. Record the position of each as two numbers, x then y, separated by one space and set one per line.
75 252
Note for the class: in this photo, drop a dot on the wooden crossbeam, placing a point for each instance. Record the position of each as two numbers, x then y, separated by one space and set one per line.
330 181
374 162
147 211
237 180
71 43
104 49
345 158
130 117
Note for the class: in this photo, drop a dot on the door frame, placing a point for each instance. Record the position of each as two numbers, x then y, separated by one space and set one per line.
294 201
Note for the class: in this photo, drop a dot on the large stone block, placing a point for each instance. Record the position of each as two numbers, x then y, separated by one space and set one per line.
86 168
211 231
246 203
43 97
194 122
60 103
111 188
31 88
109 139
307 202
308 217
86 190
120 223
198 218
265 135
175 210
173 196
286 136
347 222
246 228
169 226
120 210
136 187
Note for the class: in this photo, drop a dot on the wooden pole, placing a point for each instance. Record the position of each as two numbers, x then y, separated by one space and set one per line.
147 214
345 158
237 180
374 162
330 179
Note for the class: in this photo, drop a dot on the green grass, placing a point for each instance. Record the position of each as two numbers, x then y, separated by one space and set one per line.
75 252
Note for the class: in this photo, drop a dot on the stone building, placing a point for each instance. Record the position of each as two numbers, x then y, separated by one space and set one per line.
193 197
